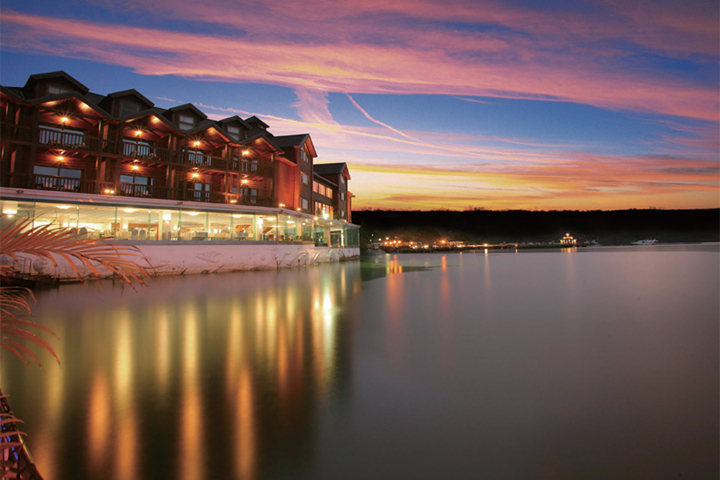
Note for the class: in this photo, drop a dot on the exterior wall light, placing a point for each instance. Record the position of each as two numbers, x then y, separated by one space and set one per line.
60 158
245 153
195 175
196 143
138 133
64 120
135 167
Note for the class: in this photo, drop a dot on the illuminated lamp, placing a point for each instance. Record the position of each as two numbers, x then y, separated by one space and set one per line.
233 201
244 181
109 191
60 158
195 175
135 167
281 205
298 209
64 120
196 143
245 153
193 214
9 208
138 133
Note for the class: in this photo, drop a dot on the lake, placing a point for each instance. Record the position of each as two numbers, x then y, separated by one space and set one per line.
596 363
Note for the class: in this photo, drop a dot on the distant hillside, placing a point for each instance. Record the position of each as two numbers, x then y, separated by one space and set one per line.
606 227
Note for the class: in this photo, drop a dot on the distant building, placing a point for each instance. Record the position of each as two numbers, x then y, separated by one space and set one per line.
63 143
568 240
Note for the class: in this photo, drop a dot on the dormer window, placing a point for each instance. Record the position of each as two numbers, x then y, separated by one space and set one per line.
128 107
303 154
186 122
55 89
234 131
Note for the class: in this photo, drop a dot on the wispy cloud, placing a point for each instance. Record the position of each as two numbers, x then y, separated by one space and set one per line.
409 47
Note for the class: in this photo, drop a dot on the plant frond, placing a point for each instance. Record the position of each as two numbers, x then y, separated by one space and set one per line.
50 244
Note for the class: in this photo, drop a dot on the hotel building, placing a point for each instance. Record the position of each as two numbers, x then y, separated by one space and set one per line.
116 166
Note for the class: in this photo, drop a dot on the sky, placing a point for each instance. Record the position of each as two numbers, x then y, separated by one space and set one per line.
452 104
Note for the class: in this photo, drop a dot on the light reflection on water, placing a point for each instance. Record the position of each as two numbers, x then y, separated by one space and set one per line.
566 364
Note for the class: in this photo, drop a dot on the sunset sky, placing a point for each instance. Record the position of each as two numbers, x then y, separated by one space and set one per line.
432 104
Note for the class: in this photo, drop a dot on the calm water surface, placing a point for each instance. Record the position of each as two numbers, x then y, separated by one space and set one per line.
591 364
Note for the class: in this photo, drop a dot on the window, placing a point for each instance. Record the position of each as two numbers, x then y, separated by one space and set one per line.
324 211
128 107
54 89
328 192
200 191
57 171
305 204
342 180
234 131
304 155
249 194
342 196
304 178
136 186
186 122
342 214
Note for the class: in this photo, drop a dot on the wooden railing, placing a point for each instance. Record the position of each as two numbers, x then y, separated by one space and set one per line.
63 184
152 153
73 141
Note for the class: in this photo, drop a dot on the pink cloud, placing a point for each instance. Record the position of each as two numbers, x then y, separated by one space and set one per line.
402 59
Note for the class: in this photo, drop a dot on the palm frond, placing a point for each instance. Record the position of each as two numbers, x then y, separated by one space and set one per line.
46 242
51 244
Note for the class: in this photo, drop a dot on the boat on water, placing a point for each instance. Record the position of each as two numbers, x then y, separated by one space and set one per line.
652 241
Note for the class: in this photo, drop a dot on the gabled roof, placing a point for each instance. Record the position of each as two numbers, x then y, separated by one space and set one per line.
16 92
156 112
286 141
255 121
131 93
50 75
50 99
332 169
186 106
233 119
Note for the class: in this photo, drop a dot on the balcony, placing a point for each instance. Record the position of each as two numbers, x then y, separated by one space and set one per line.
200 159
144 151
70 140
63 184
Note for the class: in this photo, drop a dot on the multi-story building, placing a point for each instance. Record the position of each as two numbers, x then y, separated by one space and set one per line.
61 142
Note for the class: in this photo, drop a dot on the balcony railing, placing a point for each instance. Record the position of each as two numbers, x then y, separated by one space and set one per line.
201 159
144 191
70 140
151 153
63 184
251 169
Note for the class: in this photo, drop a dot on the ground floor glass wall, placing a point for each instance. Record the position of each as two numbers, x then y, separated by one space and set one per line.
144 224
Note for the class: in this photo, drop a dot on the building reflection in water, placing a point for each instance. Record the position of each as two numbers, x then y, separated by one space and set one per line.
191 378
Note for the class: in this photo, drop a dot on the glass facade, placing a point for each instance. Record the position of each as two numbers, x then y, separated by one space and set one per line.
133 223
